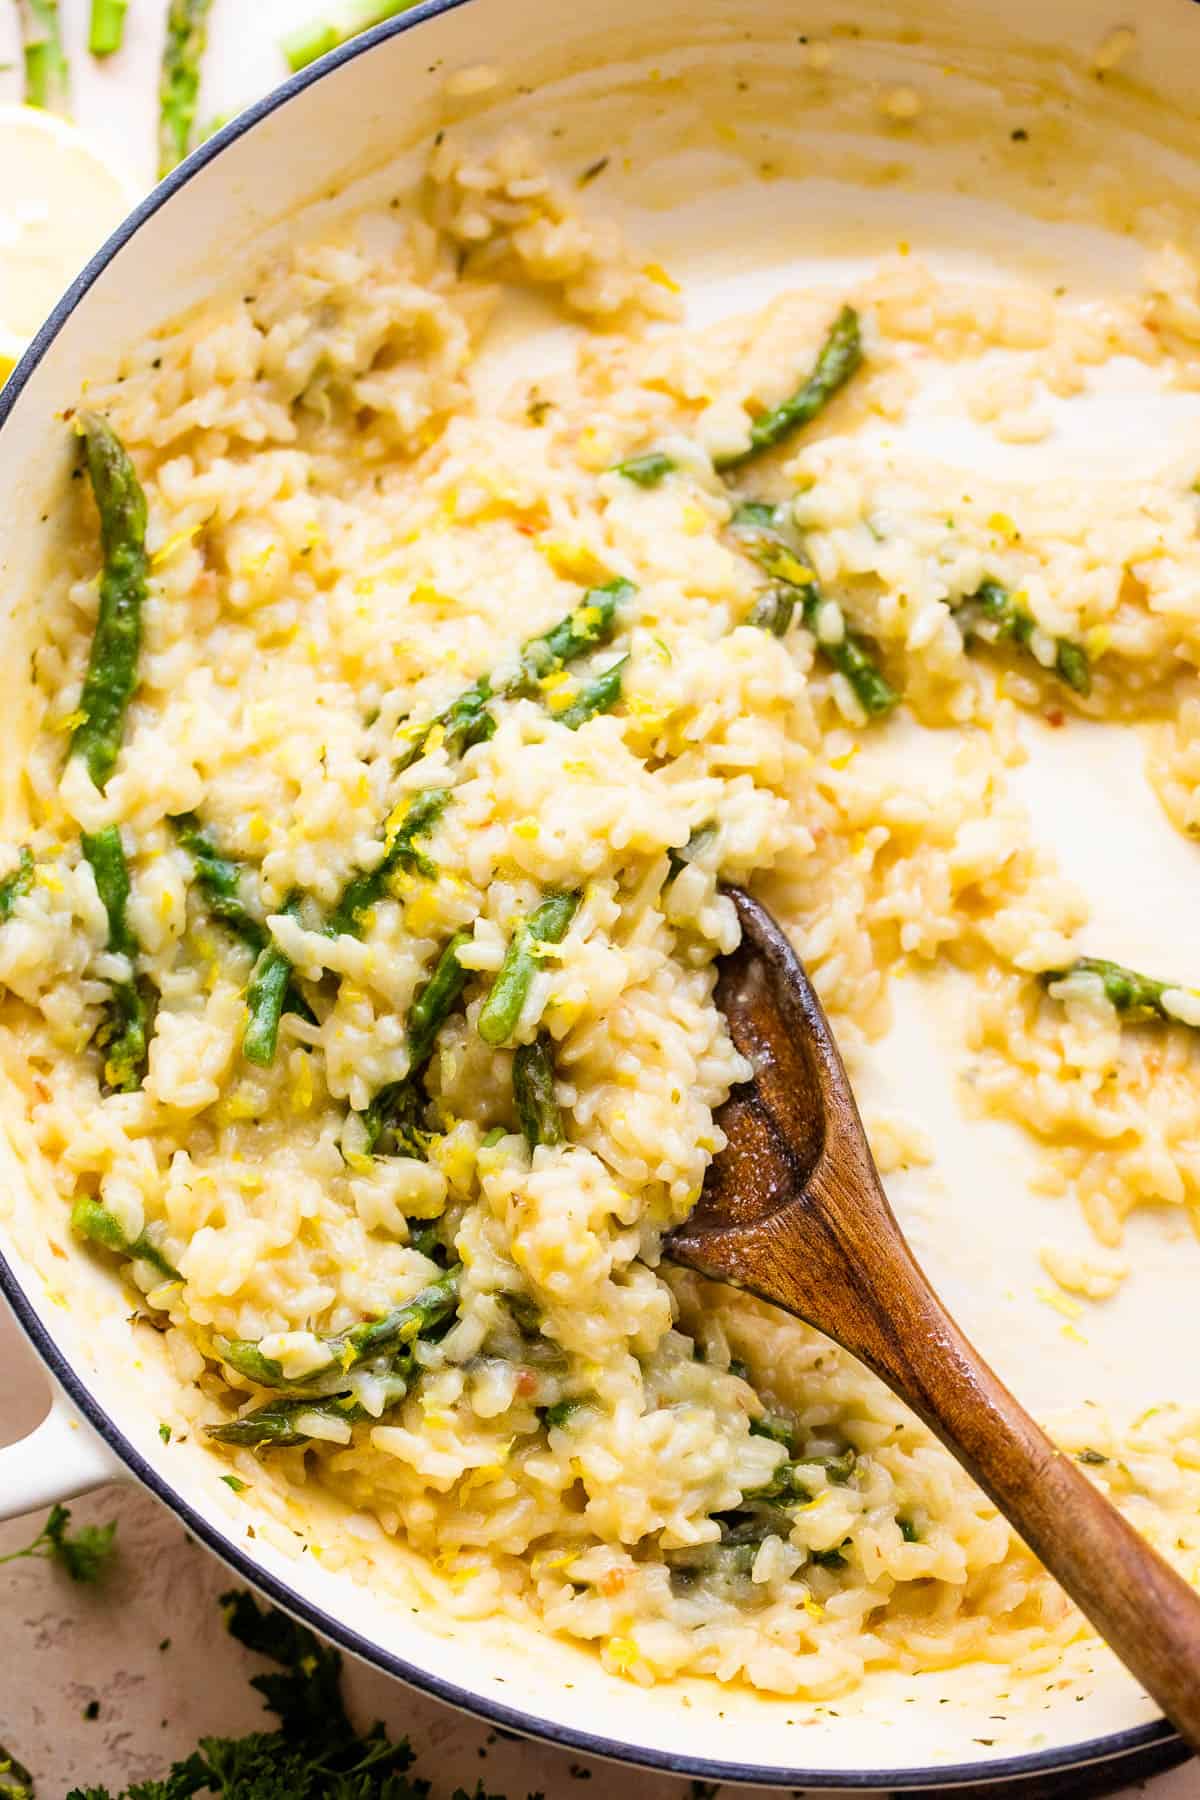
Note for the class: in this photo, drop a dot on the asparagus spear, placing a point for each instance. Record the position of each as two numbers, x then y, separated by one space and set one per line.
759 528
1008 619
267 996
46 72
1136 997
395 1333
547 924
123 1034
647 470
179 82
19 882
271 991
318 36
395 1113
220 880
92 1220
279 1425
112 666
533 1092
839 358
432 1006
396 1109
600 695
400 852
107 26
467 720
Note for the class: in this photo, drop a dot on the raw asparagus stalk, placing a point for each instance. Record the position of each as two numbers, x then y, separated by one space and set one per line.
18 882
123 1034
840 357
92 1220
760 531
394 1334
547 924
533 1092
1011 621
107 26
113 663
599 696
179 82
467 721
46 72
1136 997
336 26
647 470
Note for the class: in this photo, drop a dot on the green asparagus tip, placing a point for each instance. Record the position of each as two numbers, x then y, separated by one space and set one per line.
337 26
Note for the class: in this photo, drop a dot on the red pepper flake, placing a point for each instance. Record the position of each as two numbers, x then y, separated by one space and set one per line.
1056 717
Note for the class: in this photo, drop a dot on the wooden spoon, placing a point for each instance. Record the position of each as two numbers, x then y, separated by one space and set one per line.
793 1211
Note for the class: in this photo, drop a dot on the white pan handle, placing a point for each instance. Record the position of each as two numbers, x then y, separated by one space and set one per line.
60 1458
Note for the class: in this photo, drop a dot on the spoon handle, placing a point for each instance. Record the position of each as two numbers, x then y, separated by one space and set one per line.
1147 1612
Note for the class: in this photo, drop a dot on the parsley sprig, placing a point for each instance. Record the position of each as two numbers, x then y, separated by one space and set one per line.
84 1554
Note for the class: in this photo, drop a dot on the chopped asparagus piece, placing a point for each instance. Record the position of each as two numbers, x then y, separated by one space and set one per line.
434 1003
46 73
19 882
1136 997
778 1429
220 879
1008 619
392 1336
179 83
336 26
774 610
600 695
279 1425
556 1416
547 924
400 852
395 1115
840 357
113 663
123 1034
646 470
591 624
106 28
533 1092
266 997
760 529
94 1221
698 842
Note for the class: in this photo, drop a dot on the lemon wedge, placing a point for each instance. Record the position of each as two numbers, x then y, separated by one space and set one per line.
63 199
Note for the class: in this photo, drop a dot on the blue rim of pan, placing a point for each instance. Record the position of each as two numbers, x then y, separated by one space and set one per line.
1119 1745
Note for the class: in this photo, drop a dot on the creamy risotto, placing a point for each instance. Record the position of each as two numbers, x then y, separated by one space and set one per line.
359 944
